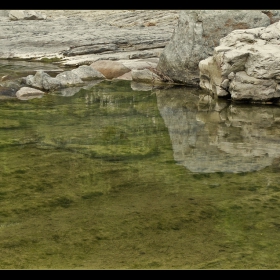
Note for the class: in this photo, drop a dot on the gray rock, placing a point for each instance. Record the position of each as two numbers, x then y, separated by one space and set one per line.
197 34
50 83
26 93
29 80
86 72
68 78
145 76
42 80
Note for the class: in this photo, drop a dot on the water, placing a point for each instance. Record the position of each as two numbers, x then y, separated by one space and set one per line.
107 177
15 69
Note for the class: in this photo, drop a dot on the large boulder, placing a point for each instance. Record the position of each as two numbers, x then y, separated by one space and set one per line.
245 65
197 34
110 69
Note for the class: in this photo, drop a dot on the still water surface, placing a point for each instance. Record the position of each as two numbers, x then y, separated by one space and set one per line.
109 176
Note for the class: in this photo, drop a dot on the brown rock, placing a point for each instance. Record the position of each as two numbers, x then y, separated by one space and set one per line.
110 69
127 76
150 23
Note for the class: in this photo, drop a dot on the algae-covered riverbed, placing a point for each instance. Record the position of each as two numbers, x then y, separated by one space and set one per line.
115 178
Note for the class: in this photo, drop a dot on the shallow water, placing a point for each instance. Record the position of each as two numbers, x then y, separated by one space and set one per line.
113 178
18 68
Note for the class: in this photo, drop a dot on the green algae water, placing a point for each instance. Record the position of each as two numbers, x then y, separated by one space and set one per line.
111 177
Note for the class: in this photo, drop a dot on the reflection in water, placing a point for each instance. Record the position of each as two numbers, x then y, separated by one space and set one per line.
70 91
211 135
16 69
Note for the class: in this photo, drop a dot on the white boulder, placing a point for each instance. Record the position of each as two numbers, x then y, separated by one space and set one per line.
245 66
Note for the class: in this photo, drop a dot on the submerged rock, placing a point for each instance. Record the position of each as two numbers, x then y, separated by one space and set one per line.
7 92
26 93
13 84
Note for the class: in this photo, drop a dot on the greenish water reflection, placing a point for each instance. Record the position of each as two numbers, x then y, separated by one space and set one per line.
115 178
16 69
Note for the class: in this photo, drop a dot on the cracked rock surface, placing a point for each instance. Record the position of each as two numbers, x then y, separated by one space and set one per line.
84 36
245 65
198 32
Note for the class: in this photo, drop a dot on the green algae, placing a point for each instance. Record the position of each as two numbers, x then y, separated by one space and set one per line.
90 182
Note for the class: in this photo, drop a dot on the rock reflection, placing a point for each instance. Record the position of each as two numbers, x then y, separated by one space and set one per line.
15 68
210 135
70 91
